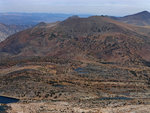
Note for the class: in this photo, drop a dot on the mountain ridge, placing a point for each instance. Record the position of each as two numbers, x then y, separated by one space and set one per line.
96 36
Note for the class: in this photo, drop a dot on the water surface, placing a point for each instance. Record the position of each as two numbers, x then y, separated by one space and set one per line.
81 70
7 100
115 98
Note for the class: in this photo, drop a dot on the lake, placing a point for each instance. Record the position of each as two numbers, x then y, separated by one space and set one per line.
6 100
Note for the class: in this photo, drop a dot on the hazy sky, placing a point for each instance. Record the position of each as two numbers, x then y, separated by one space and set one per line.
105 7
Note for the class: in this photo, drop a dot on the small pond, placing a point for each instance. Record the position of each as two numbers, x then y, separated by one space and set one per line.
115 98
81 70
7 100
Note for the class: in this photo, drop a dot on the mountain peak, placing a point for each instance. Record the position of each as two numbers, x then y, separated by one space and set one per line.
143 13
41 24
140 19
74 17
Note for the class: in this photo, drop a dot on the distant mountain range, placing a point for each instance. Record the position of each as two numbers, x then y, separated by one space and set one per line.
141 18
11 23
32 18
14 22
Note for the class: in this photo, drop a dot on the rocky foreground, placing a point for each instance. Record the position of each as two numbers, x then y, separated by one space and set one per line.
64 107
67 86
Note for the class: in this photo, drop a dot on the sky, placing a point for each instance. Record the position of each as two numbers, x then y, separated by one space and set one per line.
96 7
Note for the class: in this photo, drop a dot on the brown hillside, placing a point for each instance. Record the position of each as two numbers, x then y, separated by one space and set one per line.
95 37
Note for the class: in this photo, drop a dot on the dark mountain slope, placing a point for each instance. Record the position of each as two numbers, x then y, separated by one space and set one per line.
141 19
79 38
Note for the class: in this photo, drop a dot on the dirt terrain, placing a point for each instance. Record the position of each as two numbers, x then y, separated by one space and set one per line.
64 107
59 85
